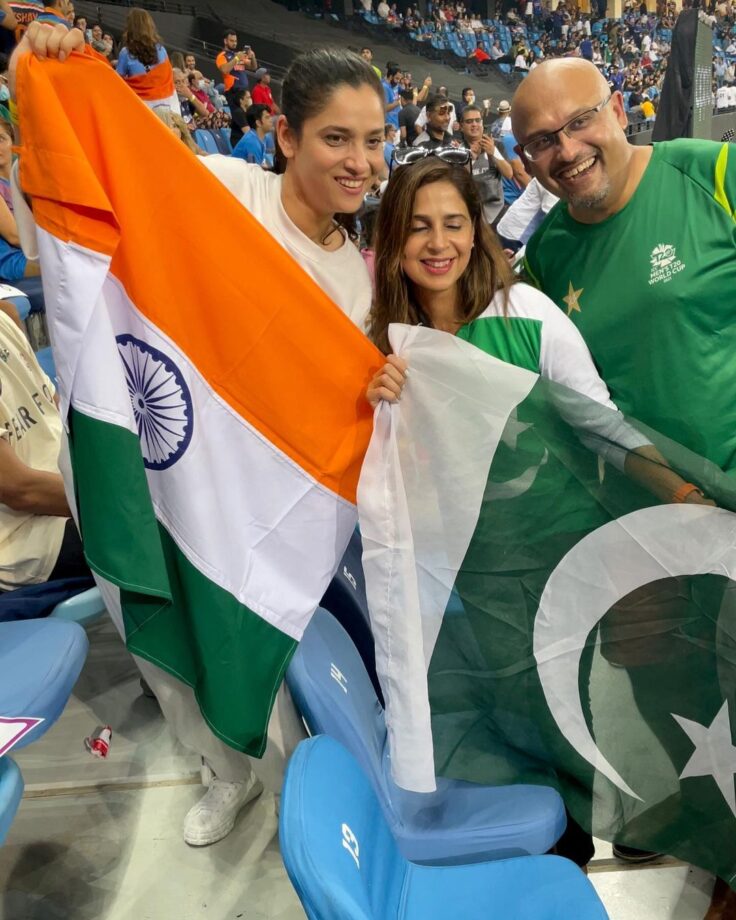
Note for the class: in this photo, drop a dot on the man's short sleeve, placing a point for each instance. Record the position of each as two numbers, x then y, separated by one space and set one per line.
725 179
220 60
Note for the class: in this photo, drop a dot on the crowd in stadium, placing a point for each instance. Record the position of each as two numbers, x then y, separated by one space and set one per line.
501 210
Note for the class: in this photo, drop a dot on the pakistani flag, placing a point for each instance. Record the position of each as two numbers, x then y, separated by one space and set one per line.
213 395
543 612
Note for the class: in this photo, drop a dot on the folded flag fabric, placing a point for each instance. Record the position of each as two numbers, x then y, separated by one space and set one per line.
156 84
540 615
214 398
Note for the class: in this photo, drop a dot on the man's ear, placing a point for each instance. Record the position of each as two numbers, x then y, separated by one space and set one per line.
522 156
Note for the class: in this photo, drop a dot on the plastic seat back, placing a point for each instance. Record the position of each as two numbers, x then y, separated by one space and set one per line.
225 135
331 689
336 846
205 140
11 792
40 661
346 600
222 141
83 608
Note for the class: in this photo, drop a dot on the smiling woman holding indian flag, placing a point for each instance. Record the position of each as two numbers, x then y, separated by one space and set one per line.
215 494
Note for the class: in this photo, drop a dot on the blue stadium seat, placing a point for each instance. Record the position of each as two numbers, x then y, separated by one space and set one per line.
45 358
11 792
84 608
33 290
205 140
346 600
21 303
222 140
225 135
460 822
40 661
344 864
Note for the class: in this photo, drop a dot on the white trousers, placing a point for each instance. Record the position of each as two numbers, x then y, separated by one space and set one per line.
182 713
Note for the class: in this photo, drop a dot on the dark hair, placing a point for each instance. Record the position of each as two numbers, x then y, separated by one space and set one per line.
387 128
310 82
407 95
435 101
392 71
236 96
468 89
254 113
227 33
141 38
488 270
471 108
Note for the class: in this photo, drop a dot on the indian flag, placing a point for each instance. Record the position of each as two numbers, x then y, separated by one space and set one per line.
539 615
214 396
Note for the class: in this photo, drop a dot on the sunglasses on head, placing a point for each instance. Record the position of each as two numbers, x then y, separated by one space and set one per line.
455 156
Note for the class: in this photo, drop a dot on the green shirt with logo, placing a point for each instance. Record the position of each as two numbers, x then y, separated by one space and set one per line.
652 289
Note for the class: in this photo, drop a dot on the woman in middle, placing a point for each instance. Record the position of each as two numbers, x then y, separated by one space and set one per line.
439 264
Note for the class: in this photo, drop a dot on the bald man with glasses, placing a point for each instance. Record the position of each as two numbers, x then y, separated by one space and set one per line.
641 255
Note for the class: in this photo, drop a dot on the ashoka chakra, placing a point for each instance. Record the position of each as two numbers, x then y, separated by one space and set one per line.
162 404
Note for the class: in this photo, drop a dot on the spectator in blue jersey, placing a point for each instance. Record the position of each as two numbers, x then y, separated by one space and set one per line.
142 49
390 134
252 147
391 89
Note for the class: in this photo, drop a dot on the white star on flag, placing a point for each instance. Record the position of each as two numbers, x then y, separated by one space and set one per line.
714 754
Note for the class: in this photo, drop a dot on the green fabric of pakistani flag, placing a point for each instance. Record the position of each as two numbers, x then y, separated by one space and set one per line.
543 611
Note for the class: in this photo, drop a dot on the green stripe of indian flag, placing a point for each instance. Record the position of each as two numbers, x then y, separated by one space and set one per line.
441 502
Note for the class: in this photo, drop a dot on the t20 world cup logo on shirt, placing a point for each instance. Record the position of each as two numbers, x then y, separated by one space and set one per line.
664 263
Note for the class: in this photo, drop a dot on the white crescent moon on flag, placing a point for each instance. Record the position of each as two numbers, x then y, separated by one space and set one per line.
605 566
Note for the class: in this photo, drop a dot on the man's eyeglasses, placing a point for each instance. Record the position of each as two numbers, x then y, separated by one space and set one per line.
538 148
455 156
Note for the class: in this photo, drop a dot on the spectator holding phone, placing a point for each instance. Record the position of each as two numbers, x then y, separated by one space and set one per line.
234 65
488 164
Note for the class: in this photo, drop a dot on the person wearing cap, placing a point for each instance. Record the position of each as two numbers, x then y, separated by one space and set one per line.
502 125
501 133
261 92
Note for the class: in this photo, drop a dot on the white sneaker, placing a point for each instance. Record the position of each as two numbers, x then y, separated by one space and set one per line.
213 817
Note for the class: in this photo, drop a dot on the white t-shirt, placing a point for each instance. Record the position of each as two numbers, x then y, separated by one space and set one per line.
341 274
30 423
527 212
